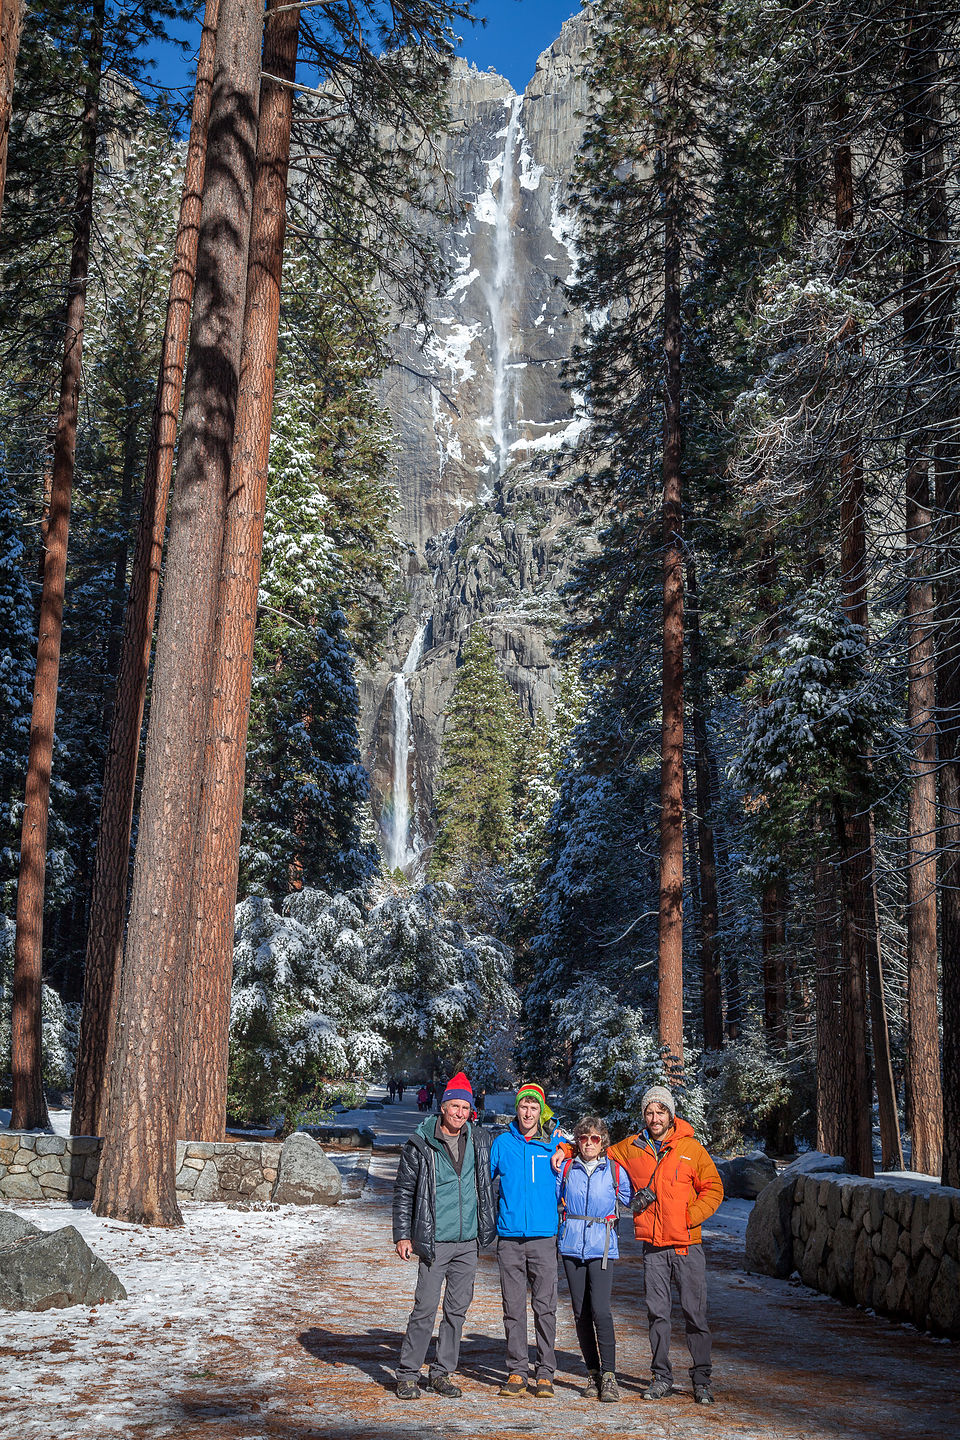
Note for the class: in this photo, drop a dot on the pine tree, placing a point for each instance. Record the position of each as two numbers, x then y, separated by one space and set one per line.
475 788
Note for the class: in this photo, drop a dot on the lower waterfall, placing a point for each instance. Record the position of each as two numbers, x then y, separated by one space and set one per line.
401 849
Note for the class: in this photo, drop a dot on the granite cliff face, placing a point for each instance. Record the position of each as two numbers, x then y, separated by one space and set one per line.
481 414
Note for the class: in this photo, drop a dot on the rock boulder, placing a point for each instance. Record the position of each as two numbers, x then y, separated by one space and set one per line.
46 1270
746 1175
306 1176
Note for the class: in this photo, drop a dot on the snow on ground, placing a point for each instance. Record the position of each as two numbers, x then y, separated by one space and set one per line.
187 1288
59 1120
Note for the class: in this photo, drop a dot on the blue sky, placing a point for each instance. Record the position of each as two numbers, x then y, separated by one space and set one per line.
516 32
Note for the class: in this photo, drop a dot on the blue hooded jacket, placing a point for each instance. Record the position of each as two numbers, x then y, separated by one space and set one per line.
527 1206
594 1195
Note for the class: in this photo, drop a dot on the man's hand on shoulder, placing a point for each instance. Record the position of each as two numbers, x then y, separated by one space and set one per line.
404 1249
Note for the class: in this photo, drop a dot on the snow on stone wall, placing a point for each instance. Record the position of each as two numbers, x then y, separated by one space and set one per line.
891 1244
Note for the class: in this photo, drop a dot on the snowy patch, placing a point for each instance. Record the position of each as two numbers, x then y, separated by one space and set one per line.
450 349
109 1369
556 439
530 172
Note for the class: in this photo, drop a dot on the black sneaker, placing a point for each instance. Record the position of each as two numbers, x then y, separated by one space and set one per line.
703 1395
658 1390
408 1390
443 1385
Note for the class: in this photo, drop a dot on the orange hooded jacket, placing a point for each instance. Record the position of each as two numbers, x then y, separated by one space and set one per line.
683 1178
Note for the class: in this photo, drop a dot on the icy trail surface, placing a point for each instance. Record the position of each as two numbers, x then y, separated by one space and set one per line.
285 1325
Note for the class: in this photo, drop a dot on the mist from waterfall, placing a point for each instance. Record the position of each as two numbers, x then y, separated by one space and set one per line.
499 290
399 822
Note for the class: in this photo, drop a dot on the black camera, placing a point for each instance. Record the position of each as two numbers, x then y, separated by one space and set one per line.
642 1200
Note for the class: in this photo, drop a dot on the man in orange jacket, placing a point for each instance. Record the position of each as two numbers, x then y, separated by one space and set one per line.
676 1187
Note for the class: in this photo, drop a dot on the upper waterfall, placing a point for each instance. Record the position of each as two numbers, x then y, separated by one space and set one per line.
498 289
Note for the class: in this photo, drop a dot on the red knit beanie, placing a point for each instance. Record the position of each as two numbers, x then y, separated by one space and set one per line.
458 1088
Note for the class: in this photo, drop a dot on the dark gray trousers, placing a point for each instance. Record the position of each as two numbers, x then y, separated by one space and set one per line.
529 1261
662 1267
453 1271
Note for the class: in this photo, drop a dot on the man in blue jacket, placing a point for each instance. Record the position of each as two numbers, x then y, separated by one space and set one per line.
527 1239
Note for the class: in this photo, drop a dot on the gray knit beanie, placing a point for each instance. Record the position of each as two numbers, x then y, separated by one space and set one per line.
659 1095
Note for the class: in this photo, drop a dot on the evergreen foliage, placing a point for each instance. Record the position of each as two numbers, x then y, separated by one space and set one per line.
475 793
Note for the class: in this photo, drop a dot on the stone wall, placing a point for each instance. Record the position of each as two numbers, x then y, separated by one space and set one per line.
891 1244
57 1167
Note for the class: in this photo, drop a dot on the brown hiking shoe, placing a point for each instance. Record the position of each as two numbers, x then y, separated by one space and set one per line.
543 1389
513 1386
609 1390
591 1391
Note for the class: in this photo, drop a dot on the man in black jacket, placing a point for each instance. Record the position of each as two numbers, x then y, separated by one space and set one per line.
443 1212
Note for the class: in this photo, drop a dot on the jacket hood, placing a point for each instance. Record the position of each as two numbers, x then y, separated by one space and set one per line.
682 1129
540 1139
427 1129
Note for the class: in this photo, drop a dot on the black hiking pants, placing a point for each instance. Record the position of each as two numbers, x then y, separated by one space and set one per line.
590 1293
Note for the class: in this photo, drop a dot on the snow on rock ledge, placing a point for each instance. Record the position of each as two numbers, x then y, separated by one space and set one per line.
891 1243
58 1167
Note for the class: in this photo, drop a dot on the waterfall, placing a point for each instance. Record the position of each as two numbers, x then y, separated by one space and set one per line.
499 292
398 822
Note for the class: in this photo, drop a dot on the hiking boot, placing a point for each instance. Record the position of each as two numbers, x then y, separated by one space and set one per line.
514 1385
408 1390
703 1395
591 1391
609 1390
443 1385
657 1389
543 1390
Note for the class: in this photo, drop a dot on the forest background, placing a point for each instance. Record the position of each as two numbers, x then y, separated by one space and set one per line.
730 859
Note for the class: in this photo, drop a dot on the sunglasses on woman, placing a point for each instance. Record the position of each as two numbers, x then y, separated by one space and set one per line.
594 1139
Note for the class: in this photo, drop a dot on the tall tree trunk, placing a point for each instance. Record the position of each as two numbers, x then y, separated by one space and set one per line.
670 924
923 1039
11 27
29 1109
711 997
206 1021
853 831
827 1003
109 892
136 1176
941 287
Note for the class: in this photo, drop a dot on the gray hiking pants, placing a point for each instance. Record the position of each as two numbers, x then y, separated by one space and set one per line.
534 1262
663 1266
453 1271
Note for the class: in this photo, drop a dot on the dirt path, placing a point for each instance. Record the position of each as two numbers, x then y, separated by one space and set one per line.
788 1364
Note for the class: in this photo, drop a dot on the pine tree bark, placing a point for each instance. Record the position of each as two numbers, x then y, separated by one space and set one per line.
29 1107
854 1130
11 28
109 890
136 1176
711 995
670 920
827 1003
208 982
923 1039
941 287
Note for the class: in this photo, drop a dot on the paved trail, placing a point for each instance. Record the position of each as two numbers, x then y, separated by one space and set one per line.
788 1365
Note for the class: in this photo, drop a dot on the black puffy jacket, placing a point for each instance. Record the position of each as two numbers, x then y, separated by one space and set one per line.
415 1195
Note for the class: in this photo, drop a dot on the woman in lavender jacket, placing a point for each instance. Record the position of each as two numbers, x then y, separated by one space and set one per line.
589 1187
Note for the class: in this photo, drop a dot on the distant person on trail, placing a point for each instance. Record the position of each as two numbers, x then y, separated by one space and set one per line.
392 1089
527 1245
431 1094
400 1084
676 1187
422 1098
443 1212
589 1188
